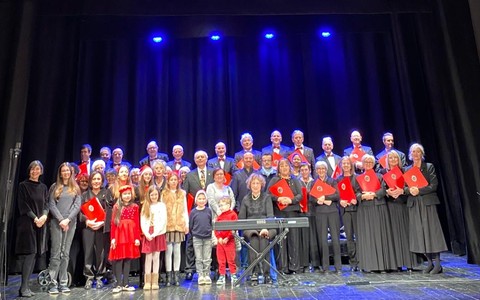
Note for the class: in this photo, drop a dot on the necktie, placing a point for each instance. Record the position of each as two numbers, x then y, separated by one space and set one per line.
202 178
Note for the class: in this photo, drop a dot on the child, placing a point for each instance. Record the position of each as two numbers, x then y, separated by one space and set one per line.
201 230
125 237
153 221
177 225
226 242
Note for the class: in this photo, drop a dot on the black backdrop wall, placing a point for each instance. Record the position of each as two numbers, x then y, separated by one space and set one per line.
96 77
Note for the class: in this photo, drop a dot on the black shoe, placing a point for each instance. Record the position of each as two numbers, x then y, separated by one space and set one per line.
428 269
189 276
437 270
268 280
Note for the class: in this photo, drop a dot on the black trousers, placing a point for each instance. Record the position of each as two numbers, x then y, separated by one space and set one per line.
93 249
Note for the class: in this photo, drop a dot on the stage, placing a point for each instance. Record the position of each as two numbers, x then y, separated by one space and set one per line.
458 281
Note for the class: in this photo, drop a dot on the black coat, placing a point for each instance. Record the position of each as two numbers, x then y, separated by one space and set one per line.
32 202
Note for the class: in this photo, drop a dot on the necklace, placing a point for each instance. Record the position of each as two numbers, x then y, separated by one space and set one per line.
255 197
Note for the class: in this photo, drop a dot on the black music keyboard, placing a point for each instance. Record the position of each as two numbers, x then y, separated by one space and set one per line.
273 223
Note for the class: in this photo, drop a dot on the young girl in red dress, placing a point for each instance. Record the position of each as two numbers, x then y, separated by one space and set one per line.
125 237
153 221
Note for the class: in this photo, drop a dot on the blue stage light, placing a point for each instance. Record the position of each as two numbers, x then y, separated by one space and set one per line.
215 37
157 39
269 35
326 34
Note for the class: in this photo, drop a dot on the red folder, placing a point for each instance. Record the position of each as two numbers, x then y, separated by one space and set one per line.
357 154
414 177
368 181
321 188
394 178
337 172
383 161
92 209
256 166
281 189
302 157
228 178
276 158
190 202
346 190
304 201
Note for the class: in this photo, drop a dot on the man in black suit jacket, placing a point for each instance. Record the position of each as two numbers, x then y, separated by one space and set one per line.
297 139
276 146
153 155
356 139
196 180
85 153
221 160
106 155
178 162
328 156
246 140
388 142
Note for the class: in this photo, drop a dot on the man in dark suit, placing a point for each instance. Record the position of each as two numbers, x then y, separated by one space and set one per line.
106 155
118 161
246 140
178 162
388 142
297 139
221 160
196 180
239 179
276 146
356 139
85 153
328 156
153 155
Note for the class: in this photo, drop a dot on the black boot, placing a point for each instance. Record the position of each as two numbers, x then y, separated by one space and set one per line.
169 279
176 276
429 265
437 266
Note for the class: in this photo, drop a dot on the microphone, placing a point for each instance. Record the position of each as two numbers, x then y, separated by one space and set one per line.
18 148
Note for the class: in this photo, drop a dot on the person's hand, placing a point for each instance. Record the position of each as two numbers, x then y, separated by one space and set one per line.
148 237
321 200
414 191
64 224
186 230
327 202
343 203
113 244
137 243
98 225
353 202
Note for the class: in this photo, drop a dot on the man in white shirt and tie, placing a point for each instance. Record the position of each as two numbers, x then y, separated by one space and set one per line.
328 156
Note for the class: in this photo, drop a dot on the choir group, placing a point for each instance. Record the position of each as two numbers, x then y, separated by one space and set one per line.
123 214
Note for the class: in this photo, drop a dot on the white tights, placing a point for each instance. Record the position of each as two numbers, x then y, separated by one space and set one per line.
150 258
172 248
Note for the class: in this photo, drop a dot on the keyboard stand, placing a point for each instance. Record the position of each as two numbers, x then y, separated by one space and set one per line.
261 255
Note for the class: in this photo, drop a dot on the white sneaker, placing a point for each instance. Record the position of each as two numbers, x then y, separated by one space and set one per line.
117 289
207 279
201 280
128 288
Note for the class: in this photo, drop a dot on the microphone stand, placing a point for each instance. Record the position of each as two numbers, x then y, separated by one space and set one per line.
12 171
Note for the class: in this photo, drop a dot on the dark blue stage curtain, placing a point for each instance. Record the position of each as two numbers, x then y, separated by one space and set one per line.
104 82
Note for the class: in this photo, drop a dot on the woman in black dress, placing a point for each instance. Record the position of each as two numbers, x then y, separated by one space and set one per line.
31 229
425 230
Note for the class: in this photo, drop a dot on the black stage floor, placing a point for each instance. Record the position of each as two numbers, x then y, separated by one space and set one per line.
458 281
